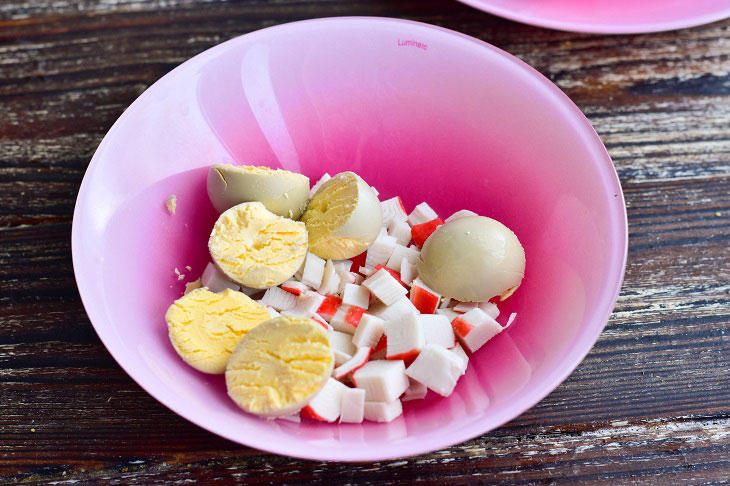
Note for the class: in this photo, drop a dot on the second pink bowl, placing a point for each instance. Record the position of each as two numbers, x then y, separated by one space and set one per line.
418 111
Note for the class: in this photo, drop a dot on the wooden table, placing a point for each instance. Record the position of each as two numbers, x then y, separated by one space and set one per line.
649 405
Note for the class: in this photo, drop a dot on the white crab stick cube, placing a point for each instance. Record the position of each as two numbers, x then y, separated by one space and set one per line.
352 409
416 390
461 354
383 412
401 231
294 287
463 307
393 210
382 380
490 309
327 403
308 303
405 337
408 272
342 346
280 300
366 270
460 214
384 286
330 283
329 307
342 266
215 280
475 328
380 250
347 318
313 271
422 214
357 361
449 313
424 298
319 183
400 254
437 330
437 368
272 312
356 295
369 331
398 309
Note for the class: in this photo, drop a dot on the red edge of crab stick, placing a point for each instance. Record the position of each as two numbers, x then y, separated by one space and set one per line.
396 275
425 301
421 232
408 357
357 367
461 327
358 260
329 306
354 314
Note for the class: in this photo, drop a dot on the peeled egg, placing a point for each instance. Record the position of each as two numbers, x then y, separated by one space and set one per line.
282 192
343 217
472 259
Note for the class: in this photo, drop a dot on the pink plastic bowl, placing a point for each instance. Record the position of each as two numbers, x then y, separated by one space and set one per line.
418 111
608 16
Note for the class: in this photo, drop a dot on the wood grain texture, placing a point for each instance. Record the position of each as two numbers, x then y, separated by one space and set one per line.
649 405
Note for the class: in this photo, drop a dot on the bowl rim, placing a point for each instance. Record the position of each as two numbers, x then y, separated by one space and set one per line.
575 355
597 27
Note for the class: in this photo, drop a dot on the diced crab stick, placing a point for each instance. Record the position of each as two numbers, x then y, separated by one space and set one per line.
347 318
408 272
461 354
342 346
400 254
347 278
356 295
424 298
380 348
357 361
215 280
449 313
437 368
416 390
313 271
475 328
272 312
421 214
352 409
398 309
330 280
366 270
445 302
369 331
393 210
342 266
463 307
382 411
405 338
319 183
460 214
309 302
280 300
318 319
382 380
490 309
401 231
294 287
421 232
325 405
380 250
384 286
329 306
437 330
395 274
291 418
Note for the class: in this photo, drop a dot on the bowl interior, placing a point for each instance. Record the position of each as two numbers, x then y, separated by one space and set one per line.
608 16
417 111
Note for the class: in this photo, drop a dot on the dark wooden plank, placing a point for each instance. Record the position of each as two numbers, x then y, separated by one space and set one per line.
649 405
